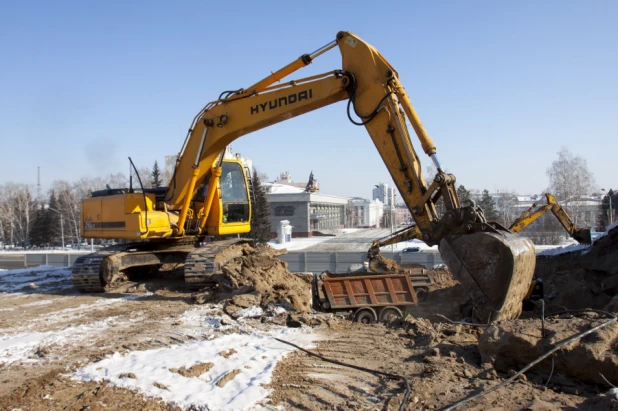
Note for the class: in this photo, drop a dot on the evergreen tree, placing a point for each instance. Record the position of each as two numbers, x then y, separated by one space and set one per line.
488 205
156 175
39 229
53 228
463 194
260 216
604 211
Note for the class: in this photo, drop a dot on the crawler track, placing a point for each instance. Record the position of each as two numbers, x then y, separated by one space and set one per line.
199 265
86 271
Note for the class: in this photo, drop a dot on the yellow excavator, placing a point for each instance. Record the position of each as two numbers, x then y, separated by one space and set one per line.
581 235
209 193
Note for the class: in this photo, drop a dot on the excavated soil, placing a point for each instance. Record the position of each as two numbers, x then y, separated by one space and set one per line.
443 362
255 276
510 345
585 278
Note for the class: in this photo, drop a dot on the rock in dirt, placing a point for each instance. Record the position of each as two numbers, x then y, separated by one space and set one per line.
247 300
513 344
421 330
259 271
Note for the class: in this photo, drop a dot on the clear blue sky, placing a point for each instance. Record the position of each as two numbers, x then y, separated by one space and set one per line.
500 86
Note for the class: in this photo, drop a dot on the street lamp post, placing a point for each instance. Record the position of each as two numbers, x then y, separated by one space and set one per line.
611 213
61 224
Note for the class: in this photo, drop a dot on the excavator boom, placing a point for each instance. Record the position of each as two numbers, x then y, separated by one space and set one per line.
581 235
200 198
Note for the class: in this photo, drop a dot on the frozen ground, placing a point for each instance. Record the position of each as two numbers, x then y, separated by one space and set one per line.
157 350
46 326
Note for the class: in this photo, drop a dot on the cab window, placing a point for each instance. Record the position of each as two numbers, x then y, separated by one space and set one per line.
234 193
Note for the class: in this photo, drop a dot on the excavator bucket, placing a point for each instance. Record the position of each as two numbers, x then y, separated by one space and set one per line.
495 269
582 236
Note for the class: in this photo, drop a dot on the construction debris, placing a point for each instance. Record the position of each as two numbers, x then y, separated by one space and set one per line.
510 345
584 278
256 277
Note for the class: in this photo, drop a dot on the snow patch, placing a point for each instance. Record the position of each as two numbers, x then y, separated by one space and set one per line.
561 250
42 276
251 312
22 346
299 243
255 357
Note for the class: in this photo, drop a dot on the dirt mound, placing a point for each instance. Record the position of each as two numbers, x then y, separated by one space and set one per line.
381 264
510 345
442 278
585 278
255 276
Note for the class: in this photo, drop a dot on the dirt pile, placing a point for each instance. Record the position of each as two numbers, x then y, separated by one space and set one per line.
442 277
585 278
379 264
254 276
510 345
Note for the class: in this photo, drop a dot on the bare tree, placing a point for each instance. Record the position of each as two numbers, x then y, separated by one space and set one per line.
144 175
570 181
16 212
69 205
506 207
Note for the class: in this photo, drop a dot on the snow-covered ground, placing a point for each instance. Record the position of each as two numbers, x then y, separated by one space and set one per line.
247 358
23 346
235 357
28 279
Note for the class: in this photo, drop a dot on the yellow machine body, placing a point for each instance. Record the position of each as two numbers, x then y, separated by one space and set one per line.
133 216
209 191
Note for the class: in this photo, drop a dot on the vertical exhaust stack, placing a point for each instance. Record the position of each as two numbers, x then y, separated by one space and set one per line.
495 269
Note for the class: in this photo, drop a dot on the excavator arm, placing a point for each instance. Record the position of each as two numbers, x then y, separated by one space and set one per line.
484 255
375 97
581 235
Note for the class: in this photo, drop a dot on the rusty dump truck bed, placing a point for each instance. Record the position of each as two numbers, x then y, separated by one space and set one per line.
349 292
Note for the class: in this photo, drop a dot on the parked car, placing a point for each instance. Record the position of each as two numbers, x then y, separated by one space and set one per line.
411 250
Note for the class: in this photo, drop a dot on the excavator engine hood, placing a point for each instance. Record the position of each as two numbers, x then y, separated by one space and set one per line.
496 270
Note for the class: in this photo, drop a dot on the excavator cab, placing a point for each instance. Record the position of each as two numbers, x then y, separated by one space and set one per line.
231 206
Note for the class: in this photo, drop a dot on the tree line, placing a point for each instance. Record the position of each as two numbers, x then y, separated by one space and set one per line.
570 181
28 221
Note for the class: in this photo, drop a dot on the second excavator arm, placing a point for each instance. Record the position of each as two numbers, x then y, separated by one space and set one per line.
581 235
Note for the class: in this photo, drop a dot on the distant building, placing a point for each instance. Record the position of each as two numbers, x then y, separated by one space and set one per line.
365 213
286 179
247 162
307 212
402 215
385 194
